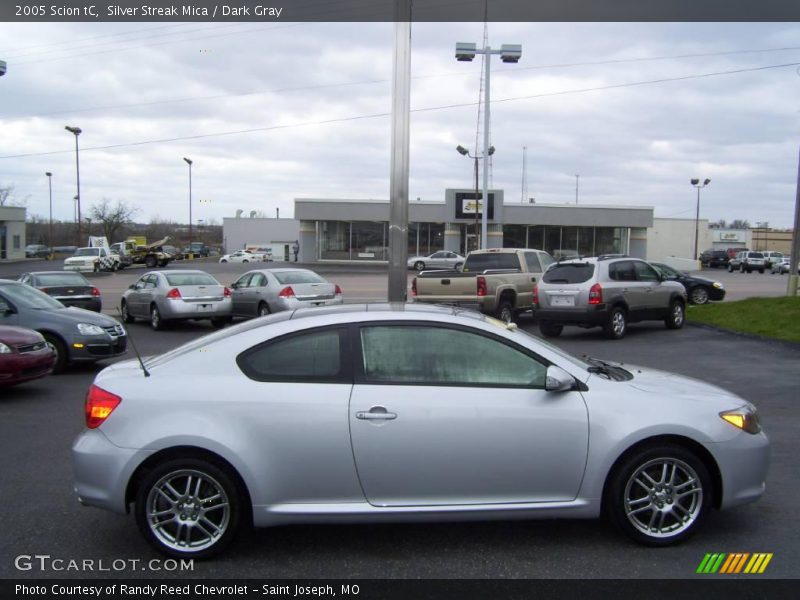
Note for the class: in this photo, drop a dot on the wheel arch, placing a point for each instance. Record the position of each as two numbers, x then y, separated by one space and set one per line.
688 444
194 452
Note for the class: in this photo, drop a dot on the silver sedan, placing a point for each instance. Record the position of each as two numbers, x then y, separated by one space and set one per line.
161 296
381 413
444 259
259 293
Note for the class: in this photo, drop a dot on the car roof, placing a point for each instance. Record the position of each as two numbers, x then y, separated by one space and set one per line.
55 273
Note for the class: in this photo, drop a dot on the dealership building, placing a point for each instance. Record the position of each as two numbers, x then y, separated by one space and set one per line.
358 230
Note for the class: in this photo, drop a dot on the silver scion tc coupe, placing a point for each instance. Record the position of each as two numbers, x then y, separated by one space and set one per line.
376 413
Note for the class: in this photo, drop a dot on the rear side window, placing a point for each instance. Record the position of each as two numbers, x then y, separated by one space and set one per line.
532 262
313 357
622 271
569 273
493 260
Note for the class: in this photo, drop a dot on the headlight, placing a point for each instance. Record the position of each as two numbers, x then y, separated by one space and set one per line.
89 329
717 285
745 418
4 349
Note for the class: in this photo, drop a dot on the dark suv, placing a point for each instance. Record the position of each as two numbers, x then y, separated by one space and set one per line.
607 292
714 258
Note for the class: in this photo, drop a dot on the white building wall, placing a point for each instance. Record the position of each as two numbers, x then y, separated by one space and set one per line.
268 233
12 219
672 241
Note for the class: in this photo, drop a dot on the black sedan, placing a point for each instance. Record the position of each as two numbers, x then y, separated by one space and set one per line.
68 287
699 289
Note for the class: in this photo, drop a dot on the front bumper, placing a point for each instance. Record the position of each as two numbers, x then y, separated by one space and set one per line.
16 368
89 348
743 462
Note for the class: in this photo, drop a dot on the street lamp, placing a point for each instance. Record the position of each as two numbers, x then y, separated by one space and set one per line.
509 53
696 183
464 152
50 223
77 131
189 162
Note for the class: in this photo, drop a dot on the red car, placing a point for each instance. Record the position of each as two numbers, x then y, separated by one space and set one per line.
24 355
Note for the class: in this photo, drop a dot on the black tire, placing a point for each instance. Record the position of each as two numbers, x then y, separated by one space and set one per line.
60 350
150 262
244 262
156 322
627 491
677 315
419 265
617 324
126 316
209 526
505 311
730 269
458 265
96 268
219 323
222 260
761 271
549 329
162 263
263 309
699 295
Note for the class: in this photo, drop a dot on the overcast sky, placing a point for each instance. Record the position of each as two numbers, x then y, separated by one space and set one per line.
126 84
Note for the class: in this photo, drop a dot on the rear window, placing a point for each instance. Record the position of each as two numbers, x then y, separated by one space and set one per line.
65 278
756 255
569 273
191 279
289 277
87 252
483 262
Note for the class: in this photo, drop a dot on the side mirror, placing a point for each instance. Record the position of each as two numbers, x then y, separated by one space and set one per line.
233 286
132 286
558 380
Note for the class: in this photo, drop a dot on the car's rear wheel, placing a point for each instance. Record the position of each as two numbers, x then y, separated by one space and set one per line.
419 265
222 260
150 262
677 315
188 508
659 495
617 324
458 265
219 323
59 349
505 312
263 309
156 322
699 295
761 271
245 261
549 329
126 315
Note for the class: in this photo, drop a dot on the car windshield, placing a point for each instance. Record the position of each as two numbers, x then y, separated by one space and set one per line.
24 296
65 278
569 273
87 252
298 277
191 279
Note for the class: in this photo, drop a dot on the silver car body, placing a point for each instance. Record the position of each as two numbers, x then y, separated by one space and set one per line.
347 450
257 293
443 259
201 296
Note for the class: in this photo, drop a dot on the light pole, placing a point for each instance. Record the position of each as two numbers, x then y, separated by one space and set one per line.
577 179
696 183
50 222
191 250
509 53
3 67
464 152
77 131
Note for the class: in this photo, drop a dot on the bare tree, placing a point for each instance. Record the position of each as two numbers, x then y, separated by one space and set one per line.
7 197
160 228
721 224
112 218
739 224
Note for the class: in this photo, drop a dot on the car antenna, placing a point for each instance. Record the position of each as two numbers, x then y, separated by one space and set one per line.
136 350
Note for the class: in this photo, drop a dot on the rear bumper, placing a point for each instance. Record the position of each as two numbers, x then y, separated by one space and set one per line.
180 309
294 303
594 316
91 303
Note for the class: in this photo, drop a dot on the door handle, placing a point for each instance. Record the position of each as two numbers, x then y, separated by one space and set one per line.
376 413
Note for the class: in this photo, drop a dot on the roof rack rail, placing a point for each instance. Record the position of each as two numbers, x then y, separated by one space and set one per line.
610 256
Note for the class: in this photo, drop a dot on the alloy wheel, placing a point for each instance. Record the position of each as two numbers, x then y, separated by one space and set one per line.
699 295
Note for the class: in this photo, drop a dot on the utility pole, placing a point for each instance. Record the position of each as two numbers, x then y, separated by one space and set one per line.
791 289
577 179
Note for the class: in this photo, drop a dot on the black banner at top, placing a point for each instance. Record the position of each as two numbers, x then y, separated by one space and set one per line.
385 10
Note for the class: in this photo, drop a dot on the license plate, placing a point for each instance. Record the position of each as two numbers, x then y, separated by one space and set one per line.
562 301
205 308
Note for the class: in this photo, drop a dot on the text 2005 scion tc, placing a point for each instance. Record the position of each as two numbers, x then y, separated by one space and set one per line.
382 413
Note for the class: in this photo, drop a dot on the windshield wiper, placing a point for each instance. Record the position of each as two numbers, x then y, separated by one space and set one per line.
612 370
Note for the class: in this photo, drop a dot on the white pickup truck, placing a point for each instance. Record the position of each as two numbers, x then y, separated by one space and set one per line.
92 259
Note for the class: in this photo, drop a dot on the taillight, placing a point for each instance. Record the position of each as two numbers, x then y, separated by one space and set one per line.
482 289
45 290
174 294
99 404
95 292
596 294
226 292
414 287
536 294
338 291
286 292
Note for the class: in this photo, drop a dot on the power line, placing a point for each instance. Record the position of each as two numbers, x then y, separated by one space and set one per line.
416 110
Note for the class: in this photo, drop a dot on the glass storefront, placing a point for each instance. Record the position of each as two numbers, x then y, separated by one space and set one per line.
369 240
561 241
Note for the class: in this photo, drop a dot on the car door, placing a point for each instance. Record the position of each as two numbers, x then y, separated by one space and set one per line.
135 298
258 293
654 293
239 294
623 274
443 415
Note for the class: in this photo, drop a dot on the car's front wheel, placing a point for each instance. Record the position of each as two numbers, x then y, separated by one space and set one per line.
59 349
419 265
659 495
699 295
676 316
126 315
188 508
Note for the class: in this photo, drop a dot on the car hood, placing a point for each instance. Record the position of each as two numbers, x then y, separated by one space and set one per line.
660 383
76 315
16 336
705 280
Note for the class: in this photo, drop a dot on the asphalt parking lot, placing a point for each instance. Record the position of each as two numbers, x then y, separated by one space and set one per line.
39 420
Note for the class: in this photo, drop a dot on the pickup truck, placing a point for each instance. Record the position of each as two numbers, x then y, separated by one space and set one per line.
92 259
497 281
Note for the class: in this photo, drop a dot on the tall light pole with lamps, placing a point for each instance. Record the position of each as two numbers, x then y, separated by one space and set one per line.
76 131
696 183
50 222
478 198
509 53
191 250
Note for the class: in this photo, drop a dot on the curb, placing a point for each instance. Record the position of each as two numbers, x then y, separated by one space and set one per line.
751 336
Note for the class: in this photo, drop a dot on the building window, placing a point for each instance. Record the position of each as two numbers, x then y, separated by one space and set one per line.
515 236
431 238
334 240
368 241
17 242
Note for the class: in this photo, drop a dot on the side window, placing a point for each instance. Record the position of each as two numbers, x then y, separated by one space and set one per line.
258 280
152 282
645 272
312 357
427 355
622 271
141 283
244 280
534 266
437 255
